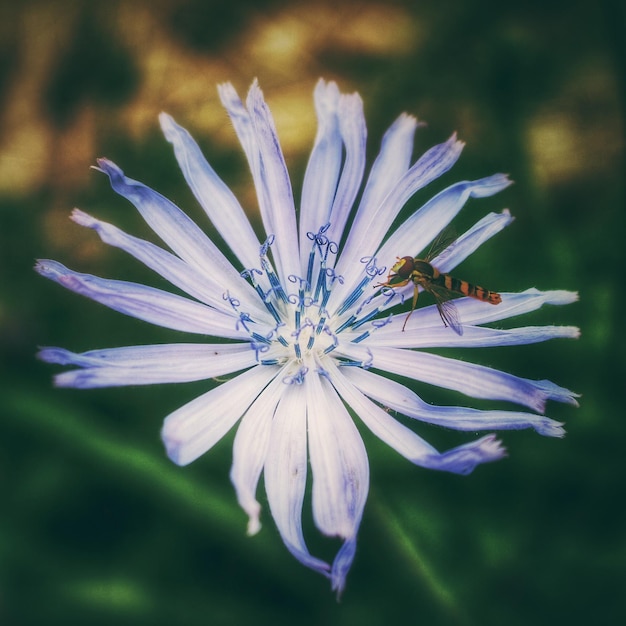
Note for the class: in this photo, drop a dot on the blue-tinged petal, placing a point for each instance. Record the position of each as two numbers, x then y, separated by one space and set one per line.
322 172
197 426
145 303
242 124
391 164
473 380
461 460
250 450
440 336
338 461
149 365
414 235
200 285
472 239
354 135
472 311
174 227
285 474
215 197
395 396
340 471
371 226
274 188
342 564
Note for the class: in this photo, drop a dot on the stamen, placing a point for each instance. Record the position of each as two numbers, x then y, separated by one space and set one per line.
367 318
275 283
354 296
260 338
269 362
360 338
364 364
347 323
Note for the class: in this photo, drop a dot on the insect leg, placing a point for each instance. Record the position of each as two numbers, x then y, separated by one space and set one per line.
414 303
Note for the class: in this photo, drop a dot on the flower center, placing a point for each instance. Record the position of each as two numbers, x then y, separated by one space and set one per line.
304 330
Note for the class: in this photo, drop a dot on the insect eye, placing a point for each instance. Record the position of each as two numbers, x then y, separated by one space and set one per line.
404 266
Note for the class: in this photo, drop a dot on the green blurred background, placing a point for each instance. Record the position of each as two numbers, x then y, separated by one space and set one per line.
96 526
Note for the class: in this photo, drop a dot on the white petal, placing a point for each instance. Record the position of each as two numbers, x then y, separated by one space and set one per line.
338 461
174 227
461 460
198 425
322 172
354 134
473 380
414 235
399 398
440 336
473 311
285 474
145 303
149 365
213 194
274 188
250 450
472 239
391 164
371 225
200 285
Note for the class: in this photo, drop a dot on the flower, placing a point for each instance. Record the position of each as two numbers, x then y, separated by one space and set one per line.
306 316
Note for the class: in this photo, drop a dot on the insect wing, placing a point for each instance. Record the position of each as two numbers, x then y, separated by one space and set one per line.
442 245
447 309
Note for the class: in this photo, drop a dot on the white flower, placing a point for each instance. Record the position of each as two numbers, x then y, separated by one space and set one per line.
304 318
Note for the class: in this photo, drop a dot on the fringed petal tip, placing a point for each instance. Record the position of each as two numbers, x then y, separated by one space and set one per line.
463 459
50 269
550 428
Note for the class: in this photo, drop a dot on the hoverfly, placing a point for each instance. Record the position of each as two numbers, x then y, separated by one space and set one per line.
442 286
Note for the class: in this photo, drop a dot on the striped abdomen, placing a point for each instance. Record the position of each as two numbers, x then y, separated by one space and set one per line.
465 288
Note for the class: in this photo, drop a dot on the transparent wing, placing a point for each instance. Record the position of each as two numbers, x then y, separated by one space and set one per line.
442 244
447 309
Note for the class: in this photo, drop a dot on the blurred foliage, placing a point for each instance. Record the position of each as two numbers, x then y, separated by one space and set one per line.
97 526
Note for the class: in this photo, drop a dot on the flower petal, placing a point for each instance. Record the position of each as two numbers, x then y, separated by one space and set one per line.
340 471
149 365
322 172
338 461
213 194
145 303
473 311
285 474
472 239
391 164
197 426
473 380
413 235
399 398
371 224
250 450
200 285
354 134
460 460
274 188
174 227
440 336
